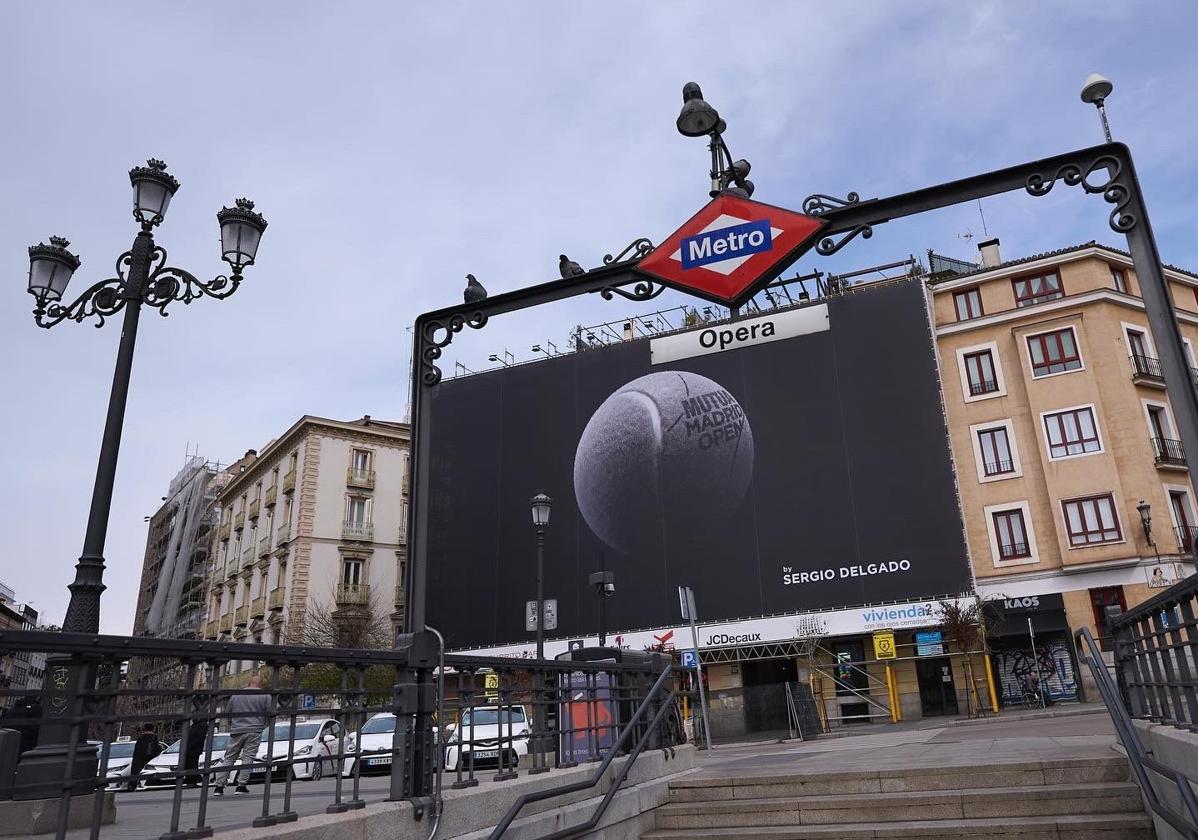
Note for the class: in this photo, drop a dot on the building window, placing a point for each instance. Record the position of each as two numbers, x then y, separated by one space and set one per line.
1054 352
1011 534
356 510
1119 278
292 461
1091 520
351 572
287 511
1033 290
1072 432
360 460
968 303
996 451
979 371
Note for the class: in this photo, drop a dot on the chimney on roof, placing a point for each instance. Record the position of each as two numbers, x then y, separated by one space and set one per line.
365 419
628 333
989 252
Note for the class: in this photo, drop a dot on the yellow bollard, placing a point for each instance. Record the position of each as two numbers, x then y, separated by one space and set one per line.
891 695
990 683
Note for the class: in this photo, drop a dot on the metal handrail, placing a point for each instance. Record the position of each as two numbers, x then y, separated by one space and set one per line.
1136 754
597 777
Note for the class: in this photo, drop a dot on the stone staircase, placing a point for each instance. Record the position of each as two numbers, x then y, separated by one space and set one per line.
1079 799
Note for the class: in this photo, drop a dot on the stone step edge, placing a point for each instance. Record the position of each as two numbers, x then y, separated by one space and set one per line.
894 772
829 801
893 829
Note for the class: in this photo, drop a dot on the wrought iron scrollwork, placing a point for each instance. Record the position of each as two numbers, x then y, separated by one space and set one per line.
169 284
643 290
828 246
635 250
102 300
818 203
1112 190
437 334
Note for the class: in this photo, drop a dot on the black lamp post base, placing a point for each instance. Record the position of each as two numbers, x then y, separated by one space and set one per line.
42 771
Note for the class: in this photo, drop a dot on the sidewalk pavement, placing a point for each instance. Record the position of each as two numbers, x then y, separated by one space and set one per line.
1006 739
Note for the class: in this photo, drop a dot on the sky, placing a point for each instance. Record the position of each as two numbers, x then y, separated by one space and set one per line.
394 148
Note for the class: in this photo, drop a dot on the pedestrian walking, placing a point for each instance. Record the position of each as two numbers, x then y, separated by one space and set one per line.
247 715
146 747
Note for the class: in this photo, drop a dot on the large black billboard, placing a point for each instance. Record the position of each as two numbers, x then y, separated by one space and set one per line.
794 461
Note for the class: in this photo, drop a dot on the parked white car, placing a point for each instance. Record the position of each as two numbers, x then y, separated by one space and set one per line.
316 741
481 732
120 762
161 769
375 748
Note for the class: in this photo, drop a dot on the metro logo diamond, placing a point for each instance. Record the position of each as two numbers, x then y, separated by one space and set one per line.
730 249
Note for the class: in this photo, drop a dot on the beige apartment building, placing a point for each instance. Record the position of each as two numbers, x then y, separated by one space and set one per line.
312 528
1062 431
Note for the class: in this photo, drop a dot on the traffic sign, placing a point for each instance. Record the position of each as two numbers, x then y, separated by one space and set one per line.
308 701
491 686
884 645
530 614
731 248
689 659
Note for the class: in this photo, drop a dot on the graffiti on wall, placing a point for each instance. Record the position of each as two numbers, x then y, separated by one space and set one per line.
1013 666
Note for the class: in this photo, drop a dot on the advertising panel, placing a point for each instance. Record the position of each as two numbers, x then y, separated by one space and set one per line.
790 462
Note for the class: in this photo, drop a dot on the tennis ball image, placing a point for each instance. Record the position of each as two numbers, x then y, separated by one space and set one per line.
664 461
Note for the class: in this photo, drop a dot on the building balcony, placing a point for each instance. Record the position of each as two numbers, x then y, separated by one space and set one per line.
1187 538
283 534
399 599
212 630
353 593
1168 454
289 482
359 478
239 521
272 494
264 546
258 607
242 616
983 386
359 531
255 509
403 531
226 624
1145 370
231 568
407 483
224 531
247 557
276 598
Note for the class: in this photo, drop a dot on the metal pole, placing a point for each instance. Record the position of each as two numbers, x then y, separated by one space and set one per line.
602 617
540 593
1106 127
41 770
1036 661
690 598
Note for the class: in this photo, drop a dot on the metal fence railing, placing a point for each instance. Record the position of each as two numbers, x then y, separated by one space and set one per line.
330 719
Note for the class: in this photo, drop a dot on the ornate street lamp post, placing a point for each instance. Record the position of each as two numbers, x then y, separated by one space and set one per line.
541 504
143 278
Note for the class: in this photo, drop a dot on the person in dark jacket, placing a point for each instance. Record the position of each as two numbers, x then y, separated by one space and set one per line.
196 736
147 747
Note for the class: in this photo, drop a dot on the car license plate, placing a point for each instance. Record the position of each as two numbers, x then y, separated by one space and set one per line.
486 753
375 762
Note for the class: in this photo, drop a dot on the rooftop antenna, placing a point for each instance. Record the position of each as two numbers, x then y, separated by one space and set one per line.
985 232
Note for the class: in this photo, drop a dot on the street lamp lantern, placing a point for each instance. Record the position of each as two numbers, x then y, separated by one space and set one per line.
240 232
153 188
1145 511
697 117
1094 92
541 504
50 269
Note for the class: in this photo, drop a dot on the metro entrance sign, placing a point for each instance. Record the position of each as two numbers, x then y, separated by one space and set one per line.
731 248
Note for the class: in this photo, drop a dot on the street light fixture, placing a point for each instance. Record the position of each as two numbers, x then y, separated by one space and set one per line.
1094 92
541 506
143 278
697 119
1145 510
